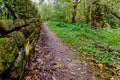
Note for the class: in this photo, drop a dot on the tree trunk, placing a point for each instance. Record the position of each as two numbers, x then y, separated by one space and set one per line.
74 14
87 12
98 15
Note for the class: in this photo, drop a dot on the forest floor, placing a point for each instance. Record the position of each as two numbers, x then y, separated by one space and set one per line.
54 60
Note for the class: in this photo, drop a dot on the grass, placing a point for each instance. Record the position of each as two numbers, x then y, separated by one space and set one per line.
2 40
102 45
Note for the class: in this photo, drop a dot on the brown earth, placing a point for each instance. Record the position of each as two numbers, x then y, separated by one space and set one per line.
53 60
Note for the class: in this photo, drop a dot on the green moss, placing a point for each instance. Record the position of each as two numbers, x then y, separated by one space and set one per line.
28 21
8 51
3 25
18 36
2 40
31 28
28 30
6 25
19 23
18 65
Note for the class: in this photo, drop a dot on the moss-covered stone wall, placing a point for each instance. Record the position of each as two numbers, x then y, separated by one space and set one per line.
17 40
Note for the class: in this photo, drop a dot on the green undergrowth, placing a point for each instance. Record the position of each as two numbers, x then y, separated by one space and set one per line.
102 45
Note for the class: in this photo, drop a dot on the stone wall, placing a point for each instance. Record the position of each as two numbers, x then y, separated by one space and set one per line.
17 41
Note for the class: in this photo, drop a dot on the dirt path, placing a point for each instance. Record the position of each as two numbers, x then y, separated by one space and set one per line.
53 60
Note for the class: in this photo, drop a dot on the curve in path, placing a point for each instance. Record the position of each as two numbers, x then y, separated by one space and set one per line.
53 60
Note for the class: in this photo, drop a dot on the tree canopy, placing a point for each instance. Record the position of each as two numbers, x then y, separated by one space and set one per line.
98 13
18 9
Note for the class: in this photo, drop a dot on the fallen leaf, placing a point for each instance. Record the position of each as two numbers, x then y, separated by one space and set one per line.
100 66
54 78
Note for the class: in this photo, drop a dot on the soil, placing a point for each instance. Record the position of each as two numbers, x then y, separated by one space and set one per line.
54 60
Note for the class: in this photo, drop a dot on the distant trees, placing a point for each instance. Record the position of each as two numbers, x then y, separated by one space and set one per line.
5 12
74 13
9 5
63 10
97 13
22 9
100 13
